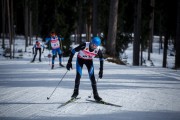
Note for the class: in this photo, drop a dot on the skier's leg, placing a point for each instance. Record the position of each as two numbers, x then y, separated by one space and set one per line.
39 54
60 61
76 85
53 57
90 67
34 55
60 56
79 66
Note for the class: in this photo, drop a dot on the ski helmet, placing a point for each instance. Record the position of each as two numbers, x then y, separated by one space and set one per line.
96 41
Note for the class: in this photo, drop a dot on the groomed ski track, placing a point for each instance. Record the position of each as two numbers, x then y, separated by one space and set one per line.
145 93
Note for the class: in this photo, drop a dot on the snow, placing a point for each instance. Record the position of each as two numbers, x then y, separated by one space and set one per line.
144 92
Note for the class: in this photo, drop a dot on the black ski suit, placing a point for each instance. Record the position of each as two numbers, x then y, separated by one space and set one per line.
37 46
85 56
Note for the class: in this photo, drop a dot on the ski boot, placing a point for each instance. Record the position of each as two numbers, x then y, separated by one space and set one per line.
75 94
97 98
96 95
61 65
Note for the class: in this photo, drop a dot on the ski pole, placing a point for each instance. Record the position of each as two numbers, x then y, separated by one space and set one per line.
43 53
45 58
92 92
57 85
49 53
62 51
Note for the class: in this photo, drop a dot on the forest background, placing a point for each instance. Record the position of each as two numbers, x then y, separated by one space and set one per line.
117 22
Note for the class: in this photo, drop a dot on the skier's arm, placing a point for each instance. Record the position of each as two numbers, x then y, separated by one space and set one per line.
73 51
34 46
47 43
76 49
101 59
47 40
60 38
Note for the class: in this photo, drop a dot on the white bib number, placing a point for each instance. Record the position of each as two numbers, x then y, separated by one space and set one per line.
54 43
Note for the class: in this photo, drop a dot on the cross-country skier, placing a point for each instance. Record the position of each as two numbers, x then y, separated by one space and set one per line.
54 42
37 46
86 52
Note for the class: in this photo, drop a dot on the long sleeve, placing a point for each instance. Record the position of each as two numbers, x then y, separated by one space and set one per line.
47 40
76 49
101 59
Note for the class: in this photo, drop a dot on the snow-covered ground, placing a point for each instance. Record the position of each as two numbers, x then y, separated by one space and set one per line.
145 93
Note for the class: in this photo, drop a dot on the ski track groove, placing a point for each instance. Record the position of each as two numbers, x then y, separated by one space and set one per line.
14 108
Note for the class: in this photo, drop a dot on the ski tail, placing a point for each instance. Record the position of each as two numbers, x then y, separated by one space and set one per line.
104 103
69 101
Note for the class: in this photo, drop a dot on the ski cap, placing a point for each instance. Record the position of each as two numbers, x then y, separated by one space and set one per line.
96 41
53 34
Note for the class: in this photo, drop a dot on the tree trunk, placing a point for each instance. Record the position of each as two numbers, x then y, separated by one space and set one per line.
9 26
165 50
151 28
95 18
3 22
30 27
137 31
80 21
177 56
89 19
35 19
112 30
26 23
12 29
160 32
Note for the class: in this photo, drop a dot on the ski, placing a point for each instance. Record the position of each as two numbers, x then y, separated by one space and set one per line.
104 103
69 101
36 62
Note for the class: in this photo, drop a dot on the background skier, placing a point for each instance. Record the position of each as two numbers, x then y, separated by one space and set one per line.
54 43
37 47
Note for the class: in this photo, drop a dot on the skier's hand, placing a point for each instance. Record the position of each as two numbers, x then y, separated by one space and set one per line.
42 51
100 73
68 66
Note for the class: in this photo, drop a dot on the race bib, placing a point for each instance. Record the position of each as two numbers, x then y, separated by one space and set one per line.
55 43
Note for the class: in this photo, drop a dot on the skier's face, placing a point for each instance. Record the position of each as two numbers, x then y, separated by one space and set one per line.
53 35
93 46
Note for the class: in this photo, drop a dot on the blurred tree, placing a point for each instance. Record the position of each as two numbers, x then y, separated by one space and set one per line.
26 22
137 31
95 18
89 20
177 48
66 16
3 4
151 28
112 29
124 29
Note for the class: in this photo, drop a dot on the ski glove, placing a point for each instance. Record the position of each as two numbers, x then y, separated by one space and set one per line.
68 66
100 73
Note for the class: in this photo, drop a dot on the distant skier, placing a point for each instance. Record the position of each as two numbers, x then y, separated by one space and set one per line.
37 47
86 52
54 42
